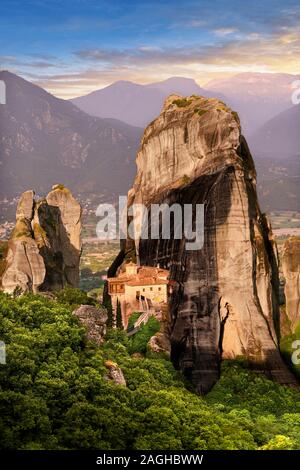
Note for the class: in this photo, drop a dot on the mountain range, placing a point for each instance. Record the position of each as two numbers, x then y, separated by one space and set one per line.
256 97
276 148
136 104
46 140
280 135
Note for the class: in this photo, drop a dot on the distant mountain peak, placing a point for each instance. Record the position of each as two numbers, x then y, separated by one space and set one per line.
135 103
176 79
125 83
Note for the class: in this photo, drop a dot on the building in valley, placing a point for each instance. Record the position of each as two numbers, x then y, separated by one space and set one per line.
141 289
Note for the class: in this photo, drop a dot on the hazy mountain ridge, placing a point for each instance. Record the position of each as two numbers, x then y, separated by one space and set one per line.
257 97
134 103
45 139
279 135
276 147
278 182
246 93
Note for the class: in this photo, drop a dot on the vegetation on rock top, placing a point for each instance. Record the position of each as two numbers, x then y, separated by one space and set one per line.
182 102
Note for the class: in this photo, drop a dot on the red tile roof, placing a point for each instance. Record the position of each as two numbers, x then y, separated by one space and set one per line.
146 275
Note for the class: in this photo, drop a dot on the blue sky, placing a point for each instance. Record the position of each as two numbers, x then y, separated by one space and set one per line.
73 47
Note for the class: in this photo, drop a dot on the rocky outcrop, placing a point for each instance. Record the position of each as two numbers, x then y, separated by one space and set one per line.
57 228
291 272
160 343
25 206
224 300
45 246
94 319
25 268
114 373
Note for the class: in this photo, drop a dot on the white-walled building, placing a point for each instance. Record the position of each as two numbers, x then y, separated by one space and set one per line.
139 289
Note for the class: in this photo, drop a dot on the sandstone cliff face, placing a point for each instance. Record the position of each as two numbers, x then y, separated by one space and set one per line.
57 226
25 266
44 249
224 304
291 272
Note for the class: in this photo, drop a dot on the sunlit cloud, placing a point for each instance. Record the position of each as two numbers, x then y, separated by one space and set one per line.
225 31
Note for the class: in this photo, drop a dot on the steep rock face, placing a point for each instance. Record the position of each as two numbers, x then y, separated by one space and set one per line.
25 206
44 249
224 303
291 272
25 267
59 218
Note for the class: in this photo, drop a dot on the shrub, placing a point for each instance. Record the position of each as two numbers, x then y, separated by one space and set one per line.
74 297
201 112
138 342
182 102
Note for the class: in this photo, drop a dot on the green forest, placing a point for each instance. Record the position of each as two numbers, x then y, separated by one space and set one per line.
54 394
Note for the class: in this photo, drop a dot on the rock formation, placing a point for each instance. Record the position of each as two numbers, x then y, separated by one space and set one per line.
224 303
291 272
94 319
57 228
44 248
160 343
114 373
25 268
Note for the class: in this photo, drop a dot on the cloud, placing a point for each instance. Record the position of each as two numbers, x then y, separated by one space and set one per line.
38 64
276 52
97 68
185 41
189 23
225 31
100 54
7 59
78 24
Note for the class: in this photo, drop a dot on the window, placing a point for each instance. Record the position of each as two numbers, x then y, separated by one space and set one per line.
151 288
159 288
143 290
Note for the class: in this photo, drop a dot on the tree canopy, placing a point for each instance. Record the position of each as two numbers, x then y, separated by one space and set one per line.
54 394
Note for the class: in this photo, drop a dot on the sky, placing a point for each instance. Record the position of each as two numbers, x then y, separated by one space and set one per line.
72 47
